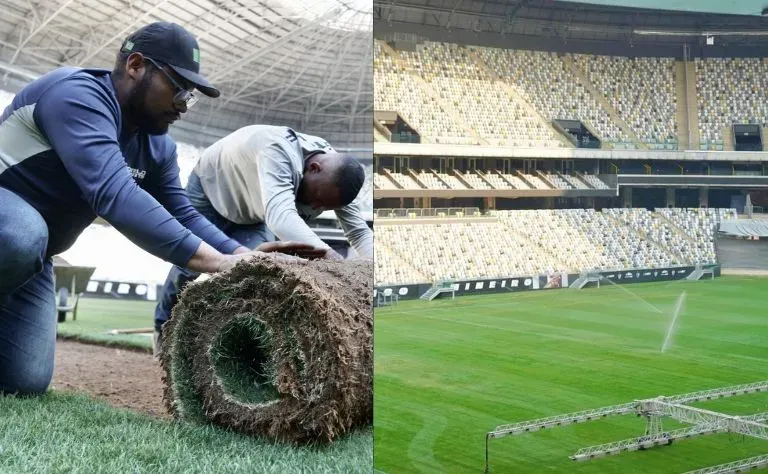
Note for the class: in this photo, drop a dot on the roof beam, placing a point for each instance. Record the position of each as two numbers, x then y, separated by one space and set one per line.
309 94
39 28
15 70
364 73
120 34
272 46
255 79
329 82
353 95
262 91
29 53
326 47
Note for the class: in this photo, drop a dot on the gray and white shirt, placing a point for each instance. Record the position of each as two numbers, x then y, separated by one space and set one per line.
253 176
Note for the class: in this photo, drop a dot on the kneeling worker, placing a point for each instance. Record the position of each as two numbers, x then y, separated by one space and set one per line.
264 181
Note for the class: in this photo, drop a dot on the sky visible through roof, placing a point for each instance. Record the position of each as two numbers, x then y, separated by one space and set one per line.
734 7
349 14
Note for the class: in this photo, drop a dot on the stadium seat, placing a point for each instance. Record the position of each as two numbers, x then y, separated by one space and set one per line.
538 242
730 90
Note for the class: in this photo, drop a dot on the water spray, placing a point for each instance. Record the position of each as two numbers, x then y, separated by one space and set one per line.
673 323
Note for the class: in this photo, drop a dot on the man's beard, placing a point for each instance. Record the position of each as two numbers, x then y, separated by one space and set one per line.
135 110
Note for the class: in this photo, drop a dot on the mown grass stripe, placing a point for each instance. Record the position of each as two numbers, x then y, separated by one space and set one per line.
481 361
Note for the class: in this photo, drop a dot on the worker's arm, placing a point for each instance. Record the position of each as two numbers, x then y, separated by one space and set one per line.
173 197
80 120
356 230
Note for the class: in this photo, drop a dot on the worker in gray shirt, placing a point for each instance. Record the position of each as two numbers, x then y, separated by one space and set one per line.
262 182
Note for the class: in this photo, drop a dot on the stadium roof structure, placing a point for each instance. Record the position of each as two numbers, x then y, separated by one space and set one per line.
742 7
300 63
585 26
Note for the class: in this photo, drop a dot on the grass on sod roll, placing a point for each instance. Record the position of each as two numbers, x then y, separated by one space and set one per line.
447 372
97 316
308 393
240 342
62 432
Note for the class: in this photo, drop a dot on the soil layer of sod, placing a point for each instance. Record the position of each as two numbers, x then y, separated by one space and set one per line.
276 349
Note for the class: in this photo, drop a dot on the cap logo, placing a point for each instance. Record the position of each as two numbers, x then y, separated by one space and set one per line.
196 55
128 45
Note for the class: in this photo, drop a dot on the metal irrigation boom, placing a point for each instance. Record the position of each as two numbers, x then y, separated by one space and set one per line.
742 465
703 422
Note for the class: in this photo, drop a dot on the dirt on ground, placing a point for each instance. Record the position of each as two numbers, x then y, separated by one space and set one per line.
123 378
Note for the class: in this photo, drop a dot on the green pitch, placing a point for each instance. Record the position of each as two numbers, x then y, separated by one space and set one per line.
447 372
95 317
65 433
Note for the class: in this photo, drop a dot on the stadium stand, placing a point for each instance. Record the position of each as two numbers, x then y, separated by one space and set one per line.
515 181
387 272
698 225
382 182
575 182
594 181
470 79
487 107
478 179
497 181
474 180
559 182
533 242
662 242
378 136
730 90
456 250
405 181
431 181
451 180
642 90
546 82
537 182
397 90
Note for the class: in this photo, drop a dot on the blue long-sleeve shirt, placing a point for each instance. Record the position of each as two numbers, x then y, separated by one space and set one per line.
64 151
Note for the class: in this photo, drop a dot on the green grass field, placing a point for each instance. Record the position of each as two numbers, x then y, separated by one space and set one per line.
65 433
447 372
97 316
62 432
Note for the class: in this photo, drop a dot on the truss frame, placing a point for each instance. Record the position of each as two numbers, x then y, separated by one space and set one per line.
654 409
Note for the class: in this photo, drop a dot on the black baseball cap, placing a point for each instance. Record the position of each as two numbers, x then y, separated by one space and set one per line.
173 45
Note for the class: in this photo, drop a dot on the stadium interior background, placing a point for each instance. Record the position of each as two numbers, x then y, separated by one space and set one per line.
536 138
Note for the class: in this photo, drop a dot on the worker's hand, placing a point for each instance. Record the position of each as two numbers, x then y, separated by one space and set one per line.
292 248
287 252
331 254
230 261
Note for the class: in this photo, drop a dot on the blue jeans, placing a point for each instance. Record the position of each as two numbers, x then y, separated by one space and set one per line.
250 236
27 300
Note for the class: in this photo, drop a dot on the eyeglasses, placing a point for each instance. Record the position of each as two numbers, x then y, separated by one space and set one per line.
182 96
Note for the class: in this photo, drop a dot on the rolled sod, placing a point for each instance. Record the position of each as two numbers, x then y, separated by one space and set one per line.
275 349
